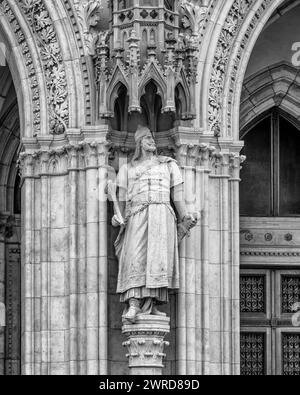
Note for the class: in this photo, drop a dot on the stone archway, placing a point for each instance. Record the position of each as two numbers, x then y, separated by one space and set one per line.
52 73
10 235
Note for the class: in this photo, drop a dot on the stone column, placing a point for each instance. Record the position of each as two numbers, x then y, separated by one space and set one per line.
146 344
224 262
64 260
193 297
234 225
208 299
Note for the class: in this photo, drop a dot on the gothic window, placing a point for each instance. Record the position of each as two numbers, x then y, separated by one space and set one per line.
270 184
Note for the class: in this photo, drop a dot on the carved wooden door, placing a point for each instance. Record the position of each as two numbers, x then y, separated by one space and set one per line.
270 247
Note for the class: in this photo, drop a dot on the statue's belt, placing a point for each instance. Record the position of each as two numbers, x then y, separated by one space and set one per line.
138 207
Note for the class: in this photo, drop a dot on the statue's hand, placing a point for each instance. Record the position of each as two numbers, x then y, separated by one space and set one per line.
192 219
117 222
188 222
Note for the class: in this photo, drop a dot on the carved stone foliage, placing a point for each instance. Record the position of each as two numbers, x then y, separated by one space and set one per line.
227 62
232 24
63 159
45 35
291 354
88 12
252 354
21 39
145 342
193 14
252 291
290 289
238 56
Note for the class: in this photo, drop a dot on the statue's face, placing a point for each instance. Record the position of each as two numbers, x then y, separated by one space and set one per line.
148 144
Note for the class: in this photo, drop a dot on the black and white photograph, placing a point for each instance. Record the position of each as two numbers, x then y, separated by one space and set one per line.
149 190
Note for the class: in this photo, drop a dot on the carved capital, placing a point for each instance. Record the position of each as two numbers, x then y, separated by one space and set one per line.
235 162
195 155
146 344
61 160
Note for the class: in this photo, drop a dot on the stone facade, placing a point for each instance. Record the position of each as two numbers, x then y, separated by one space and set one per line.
78 80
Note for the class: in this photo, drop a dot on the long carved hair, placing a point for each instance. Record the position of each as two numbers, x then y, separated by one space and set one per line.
138 152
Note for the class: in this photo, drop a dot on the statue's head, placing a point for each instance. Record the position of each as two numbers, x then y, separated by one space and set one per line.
144 141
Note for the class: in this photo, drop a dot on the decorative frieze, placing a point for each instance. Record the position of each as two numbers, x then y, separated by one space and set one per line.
61 160
43 29
270 253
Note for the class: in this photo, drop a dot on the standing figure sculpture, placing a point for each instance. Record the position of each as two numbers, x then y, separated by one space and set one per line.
147 245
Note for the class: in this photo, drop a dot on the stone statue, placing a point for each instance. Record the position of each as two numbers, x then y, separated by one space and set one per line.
147 246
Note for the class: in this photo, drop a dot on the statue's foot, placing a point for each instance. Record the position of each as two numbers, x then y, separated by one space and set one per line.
133 312
155 311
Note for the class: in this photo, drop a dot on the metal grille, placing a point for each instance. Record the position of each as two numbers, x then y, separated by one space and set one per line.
252 354
253 294
291 354
290 289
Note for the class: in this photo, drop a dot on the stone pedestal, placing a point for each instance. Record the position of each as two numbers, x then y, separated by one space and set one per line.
146 344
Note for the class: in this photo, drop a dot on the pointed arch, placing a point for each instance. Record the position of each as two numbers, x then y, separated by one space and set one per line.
275 86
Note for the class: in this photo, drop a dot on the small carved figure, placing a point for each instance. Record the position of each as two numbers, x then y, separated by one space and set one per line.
147 246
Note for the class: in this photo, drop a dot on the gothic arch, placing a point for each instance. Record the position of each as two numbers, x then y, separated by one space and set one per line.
276 86
231 42
51 71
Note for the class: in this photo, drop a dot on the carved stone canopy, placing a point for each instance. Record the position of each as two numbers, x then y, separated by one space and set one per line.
144 46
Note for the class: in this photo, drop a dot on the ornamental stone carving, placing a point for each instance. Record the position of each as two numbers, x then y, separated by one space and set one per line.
192 15
143 45
88 12
146 344
22 41
232 24
42 26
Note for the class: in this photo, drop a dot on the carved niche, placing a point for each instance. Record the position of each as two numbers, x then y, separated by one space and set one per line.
145 66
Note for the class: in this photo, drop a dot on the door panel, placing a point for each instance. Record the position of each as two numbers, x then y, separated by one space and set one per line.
270 344
255 351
